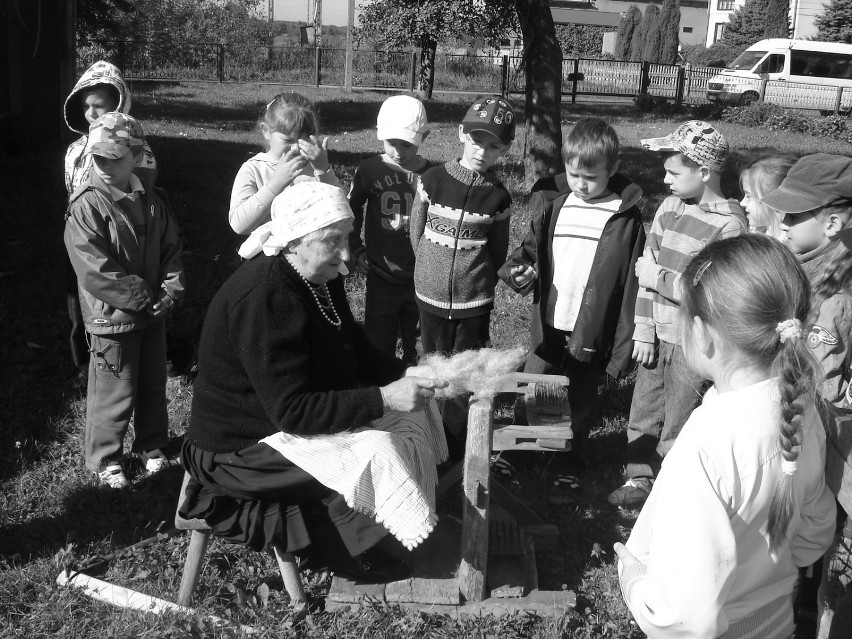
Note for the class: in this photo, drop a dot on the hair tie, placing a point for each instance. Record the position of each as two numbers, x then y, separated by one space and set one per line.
791 328
700 272
271 103
788 467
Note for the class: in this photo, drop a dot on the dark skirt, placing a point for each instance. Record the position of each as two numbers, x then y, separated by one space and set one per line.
256 497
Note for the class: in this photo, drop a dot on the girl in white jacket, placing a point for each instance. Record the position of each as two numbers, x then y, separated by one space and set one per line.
741 499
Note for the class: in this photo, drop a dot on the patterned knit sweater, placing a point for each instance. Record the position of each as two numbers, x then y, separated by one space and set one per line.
678 232
460 235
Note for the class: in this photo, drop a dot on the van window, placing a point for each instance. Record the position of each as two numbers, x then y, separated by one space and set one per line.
773 64
817 64
747 60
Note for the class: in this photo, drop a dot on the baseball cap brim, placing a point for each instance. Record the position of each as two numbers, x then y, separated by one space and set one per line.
392 133
794 197
660 144
470 127
109 150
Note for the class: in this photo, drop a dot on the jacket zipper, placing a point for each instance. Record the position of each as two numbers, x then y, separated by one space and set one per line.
456 248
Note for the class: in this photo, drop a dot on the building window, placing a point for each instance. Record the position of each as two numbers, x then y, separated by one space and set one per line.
719 31
725 5
687 29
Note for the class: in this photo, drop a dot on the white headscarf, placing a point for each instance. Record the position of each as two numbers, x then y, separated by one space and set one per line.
299 209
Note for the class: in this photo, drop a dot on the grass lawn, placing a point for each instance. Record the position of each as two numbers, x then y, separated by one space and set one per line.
53 515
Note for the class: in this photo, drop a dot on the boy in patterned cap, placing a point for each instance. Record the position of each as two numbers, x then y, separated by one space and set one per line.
694 215
460 234
126 252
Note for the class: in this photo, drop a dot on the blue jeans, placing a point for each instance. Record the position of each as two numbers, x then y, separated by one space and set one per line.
663 399
127 378
390 310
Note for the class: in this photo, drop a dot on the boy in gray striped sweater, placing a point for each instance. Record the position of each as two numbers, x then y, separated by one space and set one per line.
694 215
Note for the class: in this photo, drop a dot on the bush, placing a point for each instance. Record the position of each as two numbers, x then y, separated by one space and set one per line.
753 115
775 118
716 55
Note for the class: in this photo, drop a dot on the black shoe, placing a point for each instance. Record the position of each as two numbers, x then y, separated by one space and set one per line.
375 566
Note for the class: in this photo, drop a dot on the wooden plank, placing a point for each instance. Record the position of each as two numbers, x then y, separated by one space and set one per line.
544 533
514 576
544 603
475 482
556 437
344 590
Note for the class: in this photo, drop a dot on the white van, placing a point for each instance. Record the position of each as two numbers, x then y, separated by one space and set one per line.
778 59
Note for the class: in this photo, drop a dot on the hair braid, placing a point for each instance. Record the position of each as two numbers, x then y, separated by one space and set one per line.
747 312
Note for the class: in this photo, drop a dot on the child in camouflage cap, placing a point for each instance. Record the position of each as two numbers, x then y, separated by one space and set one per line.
126 252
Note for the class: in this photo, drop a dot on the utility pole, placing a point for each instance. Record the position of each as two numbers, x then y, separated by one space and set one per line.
350 54
318 23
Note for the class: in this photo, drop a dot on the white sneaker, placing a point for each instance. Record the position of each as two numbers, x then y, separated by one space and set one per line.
156 460
113 476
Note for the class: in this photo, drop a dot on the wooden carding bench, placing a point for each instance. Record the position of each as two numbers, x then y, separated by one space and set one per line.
487 563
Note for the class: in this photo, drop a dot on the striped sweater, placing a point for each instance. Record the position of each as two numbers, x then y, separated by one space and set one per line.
678 232
460 234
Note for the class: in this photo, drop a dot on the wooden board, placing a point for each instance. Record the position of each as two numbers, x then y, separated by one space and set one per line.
555 437
544 603
475 483
513 576
434 567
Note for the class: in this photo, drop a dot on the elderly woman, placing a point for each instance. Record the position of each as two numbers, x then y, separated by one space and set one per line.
280 351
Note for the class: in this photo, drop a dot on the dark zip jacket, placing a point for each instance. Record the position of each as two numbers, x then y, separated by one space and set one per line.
604 327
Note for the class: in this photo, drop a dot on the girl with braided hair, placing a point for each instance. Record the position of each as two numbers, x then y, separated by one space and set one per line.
741 501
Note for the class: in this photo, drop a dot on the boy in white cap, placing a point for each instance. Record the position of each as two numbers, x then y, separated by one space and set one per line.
386 184
125 248
694 215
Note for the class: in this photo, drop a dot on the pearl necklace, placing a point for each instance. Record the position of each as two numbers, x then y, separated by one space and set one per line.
322 298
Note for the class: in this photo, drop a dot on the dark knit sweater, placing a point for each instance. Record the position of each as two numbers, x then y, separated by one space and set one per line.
269 361
387 190
460 234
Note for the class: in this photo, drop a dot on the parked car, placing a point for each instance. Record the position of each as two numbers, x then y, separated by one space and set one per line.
781 60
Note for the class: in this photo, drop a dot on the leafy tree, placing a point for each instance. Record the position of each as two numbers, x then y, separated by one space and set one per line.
626 30
669 32
651 37
402 23
581 40
637 46
834 24
777 19
746 25
103 19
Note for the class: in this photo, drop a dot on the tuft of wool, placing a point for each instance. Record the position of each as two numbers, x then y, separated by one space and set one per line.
476 371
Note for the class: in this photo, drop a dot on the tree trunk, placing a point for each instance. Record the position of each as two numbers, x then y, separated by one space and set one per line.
543 67
428 46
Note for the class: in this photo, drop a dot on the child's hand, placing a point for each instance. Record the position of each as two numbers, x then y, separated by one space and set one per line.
626 557
647 270
644 353
522 275
362 264
160 309
315 152
288 168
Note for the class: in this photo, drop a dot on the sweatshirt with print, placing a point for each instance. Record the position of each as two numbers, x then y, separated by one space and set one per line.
460 235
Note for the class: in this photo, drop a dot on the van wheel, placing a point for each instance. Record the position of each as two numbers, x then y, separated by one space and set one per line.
749 98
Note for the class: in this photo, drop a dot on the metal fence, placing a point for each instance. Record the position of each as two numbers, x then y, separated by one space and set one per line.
220 62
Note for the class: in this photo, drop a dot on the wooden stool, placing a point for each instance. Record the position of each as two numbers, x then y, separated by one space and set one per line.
198 547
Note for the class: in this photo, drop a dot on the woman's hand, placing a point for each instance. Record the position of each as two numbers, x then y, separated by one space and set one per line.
409 394
290 166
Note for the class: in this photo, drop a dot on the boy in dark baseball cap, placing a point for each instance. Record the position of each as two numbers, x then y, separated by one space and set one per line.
460 235
816 200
